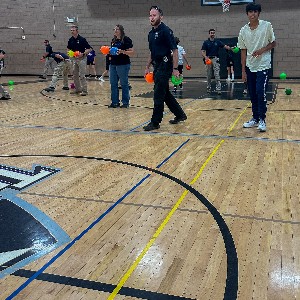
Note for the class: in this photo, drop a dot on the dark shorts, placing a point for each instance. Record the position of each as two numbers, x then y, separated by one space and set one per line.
90 62
229 63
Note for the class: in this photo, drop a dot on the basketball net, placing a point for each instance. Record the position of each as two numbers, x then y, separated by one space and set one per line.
225 5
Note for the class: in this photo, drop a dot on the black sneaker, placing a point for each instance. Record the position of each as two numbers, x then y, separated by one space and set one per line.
5 97
125 106
50 89
66 88
113 105
151 126
177 120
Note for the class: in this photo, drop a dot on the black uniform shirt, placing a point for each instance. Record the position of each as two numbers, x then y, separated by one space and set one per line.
58 60
79 44
212 47
121 59
161 42
49 50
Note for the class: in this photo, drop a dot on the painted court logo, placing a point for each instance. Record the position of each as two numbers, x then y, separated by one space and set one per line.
26 233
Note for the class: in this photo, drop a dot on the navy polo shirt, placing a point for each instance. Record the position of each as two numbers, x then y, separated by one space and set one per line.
78 44
49 50
212 47
58 60
161 42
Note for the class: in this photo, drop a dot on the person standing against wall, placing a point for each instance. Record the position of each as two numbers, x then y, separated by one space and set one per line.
80 44
256 40
49 61
161 45
210 52
120 67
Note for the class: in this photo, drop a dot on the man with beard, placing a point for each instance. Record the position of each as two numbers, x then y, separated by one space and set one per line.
162 44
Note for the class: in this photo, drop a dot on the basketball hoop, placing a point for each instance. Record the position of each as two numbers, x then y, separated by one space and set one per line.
225 5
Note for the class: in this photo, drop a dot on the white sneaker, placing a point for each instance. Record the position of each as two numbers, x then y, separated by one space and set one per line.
228 79
262 125
101 79
250 123
245 92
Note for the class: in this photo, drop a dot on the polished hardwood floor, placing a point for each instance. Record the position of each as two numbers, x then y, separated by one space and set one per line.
93 207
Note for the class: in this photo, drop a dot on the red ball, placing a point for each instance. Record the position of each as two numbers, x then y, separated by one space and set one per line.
149 77
188 67
104 50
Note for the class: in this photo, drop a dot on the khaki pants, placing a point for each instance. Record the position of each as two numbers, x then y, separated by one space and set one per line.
214 67
63 68
79 71
49 61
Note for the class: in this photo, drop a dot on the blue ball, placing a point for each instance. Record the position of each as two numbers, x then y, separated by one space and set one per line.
113 50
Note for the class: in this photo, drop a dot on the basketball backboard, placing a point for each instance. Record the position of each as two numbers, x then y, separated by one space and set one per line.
216 2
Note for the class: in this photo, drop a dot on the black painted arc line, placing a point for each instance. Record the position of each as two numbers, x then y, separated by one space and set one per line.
231 287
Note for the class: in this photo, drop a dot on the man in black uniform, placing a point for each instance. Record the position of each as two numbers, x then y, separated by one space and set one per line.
161 43
80 44
210 51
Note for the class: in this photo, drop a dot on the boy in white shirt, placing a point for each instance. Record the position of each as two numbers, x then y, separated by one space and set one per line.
256 39
181 57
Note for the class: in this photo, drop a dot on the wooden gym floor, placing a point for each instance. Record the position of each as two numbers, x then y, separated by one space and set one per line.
93 207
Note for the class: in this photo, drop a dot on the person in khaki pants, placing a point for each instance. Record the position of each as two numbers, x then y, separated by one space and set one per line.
63 68
81 48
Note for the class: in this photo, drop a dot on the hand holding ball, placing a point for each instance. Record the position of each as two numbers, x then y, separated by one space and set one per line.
149 77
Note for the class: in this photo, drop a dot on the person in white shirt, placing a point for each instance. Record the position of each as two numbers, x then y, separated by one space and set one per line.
181 58
256 39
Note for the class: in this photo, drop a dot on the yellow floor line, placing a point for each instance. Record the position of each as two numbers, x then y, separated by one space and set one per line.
168 217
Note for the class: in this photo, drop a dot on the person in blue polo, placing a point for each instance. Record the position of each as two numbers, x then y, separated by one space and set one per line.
63 68
210 51
161 45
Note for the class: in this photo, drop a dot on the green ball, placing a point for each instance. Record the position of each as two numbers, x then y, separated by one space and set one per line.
10 82
176 80
288 91
282 76
235 49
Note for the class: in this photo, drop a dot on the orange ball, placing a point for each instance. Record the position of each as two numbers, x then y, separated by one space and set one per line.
188 67
208 62
76 54
149 77
104 50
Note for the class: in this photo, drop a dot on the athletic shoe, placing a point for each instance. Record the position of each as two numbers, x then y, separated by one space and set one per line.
208 90
177 120
5 97
245 91
125 106
262 125
101 79
250 123
219 92
175 90
66 88
151 126
50 89
112 105
83 93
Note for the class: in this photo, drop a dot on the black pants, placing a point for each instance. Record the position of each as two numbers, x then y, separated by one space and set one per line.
162 73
